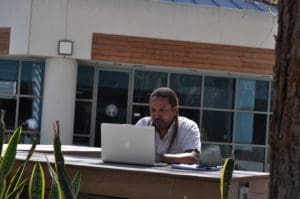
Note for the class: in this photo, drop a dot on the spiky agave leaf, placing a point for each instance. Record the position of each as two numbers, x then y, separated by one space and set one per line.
2 130
76 183
226 177
7 162
55 191
37 182
63 179
17 191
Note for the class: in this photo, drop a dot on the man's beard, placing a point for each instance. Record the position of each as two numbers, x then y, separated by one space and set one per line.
160 124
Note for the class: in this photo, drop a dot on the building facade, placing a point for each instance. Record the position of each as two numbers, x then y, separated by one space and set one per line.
93 61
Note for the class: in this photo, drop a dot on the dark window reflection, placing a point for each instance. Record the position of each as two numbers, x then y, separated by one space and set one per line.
8 76
139 112
82 120
214 154
187 88
32 77
112 99
253 95
250 158
85 79
9 70
81 141
191 114
9 105
250 128
30 113
272 98
217 126
145 82
219 92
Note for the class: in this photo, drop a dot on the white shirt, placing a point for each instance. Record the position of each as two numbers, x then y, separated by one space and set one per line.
188 136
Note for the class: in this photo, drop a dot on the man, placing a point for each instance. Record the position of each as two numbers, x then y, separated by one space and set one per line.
177 138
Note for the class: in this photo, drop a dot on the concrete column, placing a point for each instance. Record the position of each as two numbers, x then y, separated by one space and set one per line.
59 99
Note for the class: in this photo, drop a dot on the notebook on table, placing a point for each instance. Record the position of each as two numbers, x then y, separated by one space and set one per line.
129 144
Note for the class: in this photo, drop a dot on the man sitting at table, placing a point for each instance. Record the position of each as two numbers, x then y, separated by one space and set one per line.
177 138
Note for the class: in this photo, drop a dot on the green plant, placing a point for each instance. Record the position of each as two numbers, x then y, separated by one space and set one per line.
17 183
226 175
61 186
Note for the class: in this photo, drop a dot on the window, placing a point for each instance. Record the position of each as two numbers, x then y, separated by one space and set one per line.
187 88
145 82
22 97
219 92
252 95
232 113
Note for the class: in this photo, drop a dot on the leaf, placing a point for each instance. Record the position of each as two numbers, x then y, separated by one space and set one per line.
3 185
31 150
226 177
37 182
55 191
17 191
76 183
14 182
63 179
7 162
2 130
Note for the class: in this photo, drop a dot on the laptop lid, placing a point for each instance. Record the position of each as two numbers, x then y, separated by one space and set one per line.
126 143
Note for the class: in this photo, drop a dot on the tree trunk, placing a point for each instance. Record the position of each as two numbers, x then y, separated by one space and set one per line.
285 125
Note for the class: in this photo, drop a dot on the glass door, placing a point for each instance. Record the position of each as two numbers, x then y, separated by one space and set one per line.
112 100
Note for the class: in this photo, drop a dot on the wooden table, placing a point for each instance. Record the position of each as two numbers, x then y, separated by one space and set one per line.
101 180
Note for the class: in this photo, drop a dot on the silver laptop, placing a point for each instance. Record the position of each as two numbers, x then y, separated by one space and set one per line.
126 143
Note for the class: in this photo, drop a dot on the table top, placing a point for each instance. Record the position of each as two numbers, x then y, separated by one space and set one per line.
90 158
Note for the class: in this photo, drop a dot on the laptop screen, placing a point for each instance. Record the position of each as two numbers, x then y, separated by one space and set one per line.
126 143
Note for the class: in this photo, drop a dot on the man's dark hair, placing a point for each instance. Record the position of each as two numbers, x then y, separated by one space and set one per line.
166 92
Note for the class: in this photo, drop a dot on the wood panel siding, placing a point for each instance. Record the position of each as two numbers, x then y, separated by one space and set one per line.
162 52
4 40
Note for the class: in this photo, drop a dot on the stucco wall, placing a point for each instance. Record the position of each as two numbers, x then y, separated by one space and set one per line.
76 20
15 14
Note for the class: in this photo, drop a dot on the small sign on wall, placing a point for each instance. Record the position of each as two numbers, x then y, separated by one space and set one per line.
65 47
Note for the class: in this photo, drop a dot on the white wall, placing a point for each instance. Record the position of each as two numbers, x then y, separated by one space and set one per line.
144 18
15 14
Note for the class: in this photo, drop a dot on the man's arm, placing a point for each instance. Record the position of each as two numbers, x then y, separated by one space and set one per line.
188 157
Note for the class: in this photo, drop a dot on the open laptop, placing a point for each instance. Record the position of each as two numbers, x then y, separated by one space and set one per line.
129 144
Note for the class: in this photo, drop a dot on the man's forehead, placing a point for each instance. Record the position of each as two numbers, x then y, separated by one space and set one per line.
164 100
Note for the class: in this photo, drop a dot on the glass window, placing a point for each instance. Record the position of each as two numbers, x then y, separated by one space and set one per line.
9 70
139 112
81 141
214 154
32 78
219 92
8 76
217 126
187 88
250 128
191 114
9 105
82 120
272 98
145 82
30 113
85 79
250 158
252 95
112 99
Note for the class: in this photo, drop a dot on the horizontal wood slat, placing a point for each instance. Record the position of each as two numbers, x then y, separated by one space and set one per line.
4 40
163 52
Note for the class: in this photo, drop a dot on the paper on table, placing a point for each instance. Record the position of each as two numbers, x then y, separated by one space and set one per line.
195 167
